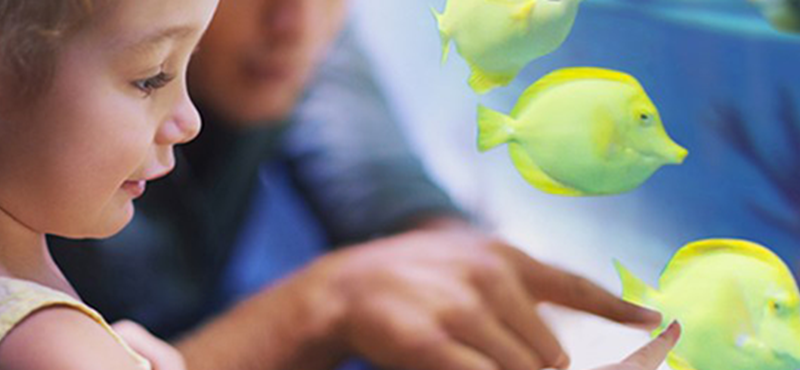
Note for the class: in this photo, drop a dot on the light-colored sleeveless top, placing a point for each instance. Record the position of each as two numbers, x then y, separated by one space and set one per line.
19 299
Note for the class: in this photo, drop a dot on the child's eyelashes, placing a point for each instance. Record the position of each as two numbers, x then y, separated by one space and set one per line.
151 84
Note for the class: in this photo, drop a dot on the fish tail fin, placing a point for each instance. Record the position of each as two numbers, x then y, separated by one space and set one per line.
443 35
634 290
482 82
494 128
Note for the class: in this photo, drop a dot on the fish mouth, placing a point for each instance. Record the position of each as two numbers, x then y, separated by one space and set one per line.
652 158
675 155
679 156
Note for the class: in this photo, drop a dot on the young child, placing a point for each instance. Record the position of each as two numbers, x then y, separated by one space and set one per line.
92 100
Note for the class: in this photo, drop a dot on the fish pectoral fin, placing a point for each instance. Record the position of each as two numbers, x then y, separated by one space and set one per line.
534 175
677 363
483 82
525 11
605 136
752 345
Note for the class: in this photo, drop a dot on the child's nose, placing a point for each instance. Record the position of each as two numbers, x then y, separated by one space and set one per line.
183 126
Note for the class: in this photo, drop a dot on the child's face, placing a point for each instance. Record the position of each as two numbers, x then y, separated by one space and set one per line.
72 165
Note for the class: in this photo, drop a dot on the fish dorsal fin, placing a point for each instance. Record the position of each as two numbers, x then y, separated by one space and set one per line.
704 247
566 75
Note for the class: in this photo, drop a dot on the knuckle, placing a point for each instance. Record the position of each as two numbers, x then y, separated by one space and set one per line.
422 344
489 271
462 314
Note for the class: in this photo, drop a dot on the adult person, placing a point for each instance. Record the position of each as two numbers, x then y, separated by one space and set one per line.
296 157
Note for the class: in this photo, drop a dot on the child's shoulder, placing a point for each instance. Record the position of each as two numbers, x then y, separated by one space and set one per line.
41 328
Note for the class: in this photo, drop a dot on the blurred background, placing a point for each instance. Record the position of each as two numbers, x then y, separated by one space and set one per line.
728 89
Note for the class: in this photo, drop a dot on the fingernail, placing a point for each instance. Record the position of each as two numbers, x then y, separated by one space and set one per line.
562 362
650 315
673 332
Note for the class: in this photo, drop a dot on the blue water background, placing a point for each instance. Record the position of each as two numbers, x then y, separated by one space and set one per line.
690 57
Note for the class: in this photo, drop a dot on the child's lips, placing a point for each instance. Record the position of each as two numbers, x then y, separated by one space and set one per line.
135 188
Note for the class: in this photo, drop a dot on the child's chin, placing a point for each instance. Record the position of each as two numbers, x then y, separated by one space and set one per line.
108 225
113 225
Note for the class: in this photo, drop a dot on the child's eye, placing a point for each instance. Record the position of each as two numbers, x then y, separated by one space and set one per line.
151 84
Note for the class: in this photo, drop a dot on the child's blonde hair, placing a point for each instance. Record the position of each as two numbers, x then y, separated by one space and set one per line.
31 33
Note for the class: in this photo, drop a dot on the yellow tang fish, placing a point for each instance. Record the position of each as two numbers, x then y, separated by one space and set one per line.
737 303
582 131
784 15
498 38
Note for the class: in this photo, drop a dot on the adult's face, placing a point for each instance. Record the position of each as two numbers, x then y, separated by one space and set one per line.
258 55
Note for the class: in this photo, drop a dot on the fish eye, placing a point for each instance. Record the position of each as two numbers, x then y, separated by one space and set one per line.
775 306
645 119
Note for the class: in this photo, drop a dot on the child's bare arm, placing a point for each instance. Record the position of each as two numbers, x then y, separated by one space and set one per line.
64 339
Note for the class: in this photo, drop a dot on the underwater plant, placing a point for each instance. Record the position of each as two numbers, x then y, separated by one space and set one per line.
783 175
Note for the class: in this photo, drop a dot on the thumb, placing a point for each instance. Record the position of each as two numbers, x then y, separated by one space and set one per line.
653 354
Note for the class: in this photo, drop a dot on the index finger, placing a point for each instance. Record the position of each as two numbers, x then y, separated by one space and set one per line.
563 288
653 354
